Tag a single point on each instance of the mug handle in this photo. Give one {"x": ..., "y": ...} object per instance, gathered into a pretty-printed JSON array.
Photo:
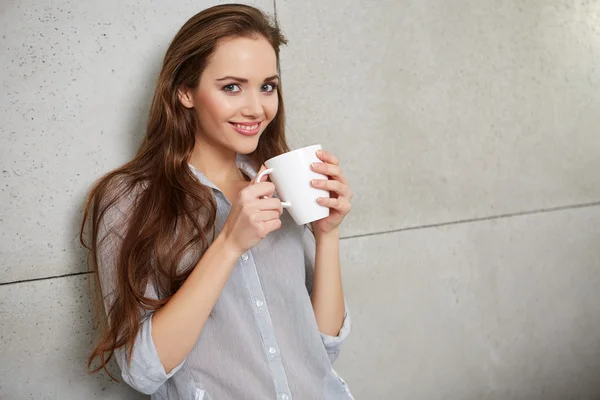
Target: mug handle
[{"x": 284, "y": 204}]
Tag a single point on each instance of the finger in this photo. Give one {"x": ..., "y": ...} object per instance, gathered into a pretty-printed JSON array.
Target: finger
[
  {"x": 260, "y": 189},
  {"x": 341, "y": 205},
  {"x": 330, "y": 170},
  {"x": 272, "y": 225},
  {"x": 332, "y": 186},
  {"x": 327, "y": 157},
  {"x": 270, "y": 204},
  {"x": 268, "y": 215}
]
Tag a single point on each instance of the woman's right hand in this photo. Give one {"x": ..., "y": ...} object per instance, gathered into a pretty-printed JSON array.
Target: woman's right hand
[{"x": 252, "y": 217}]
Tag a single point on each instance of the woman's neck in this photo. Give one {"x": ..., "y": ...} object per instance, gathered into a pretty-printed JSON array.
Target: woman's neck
[{"x": 217, "y": 163}]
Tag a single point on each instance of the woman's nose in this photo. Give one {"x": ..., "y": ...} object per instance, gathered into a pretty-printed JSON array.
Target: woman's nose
[{"x": 253, "y": 106}]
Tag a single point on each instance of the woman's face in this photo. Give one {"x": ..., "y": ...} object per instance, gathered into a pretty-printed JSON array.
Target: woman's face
[{"x": 237, "y": 95}]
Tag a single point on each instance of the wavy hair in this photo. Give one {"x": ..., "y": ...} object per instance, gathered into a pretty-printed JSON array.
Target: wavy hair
[{"x": 174, "y": 213}]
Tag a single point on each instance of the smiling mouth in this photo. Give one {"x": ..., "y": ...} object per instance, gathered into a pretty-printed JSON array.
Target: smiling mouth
[{"x": 246, "y": 127}]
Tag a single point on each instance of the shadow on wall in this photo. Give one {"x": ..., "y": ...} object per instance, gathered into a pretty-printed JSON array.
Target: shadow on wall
[
  {"x": 136, "y": 129},
  {"x": 131, "y": 137}
]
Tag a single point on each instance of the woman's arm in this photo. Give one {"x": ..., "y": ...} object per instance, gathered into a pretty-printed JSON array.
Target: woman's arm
[
  {"x": 327, "y": 295},
  {"x": 165, "y": 339},
  {"x": 177, "y": 325}
]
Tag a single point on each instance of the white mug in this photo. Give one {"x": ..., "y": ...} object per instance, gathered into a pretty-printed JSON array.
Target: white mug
[{"x": 292, "y": 175}]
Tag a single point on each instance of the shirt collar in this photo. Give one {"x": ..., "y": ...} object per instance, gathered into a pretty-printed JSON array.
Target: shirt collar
[{"x": 243, "y": 163}]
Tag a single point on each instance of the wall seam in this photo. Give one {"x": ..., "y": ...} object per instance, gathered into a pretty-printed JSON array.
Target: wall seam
[
  {"x": 480, "y": 219},
  {"x": 381, "y": 233}
]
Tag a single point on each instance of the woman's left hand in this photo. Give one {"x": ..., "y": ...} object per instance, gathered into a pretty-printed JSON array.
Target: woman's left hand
[{"x": 340, "y": 193}]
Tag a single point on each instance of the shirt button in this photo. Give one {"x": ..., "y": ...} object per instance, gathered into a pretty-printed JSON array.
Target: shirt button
[
  {"x": 245, "y": 257},
  {"x": 272, "y": 350},
  {"x": 259, "y": 303}
]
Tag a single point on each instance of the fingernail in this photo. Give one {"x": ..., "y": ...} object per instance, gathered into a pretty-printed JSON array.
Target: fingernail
[
  {"x": 315, "y": 165},
  {"x": 314, "y": 182}
]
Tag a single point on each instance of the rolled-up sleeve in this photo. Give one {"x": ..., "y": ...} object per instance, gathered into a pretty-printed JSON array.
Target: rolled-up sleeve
[
  {"x": 145, "y": 372},
  {"x": 332, "y": 343}
]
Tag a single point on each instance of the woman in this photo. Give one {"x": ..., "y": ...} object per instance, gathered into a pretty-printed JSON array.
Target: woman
[{"x": 210, "y": 290}]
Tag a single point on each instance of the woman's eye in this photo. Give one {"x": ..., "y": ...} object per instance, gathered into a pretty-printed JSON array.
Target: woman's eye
[
  {"x": 232, "y": 88},
  {"x": 269, "y": 87}
]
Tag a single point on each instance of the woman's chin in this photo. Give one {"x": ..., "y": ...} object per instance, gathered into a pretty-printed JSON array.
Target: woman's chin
[{"x": 247, "y": 145}]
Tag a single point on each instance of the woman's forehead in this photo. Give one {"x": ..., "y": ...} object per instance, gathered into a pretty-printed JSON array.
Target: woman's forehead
[{"x": 249, "y": 58}]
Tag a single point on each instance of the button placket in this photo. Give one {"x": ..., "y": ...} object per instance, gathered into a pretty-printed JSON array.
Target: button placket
[{"x": 264, "y": 324}]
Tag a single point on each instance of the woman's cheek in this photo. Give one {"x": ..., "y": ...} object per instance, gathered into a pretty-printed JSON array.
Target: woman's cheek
[{"x": 272, "y": 107}]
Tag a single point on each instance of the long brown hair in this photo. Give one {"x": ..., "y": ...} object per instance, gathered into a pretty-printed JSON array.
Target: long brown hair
[{"x": 174, "y": 213}]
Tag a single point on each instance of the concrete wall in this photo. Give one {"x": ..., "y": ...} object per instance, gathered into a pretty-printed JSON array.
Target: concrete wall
[{"x": 470, "y": 131}]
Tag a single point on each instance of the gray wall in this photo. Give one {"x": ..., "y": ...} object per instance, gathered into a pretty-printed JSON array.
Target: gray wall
[{"x": 470, "y": 131}]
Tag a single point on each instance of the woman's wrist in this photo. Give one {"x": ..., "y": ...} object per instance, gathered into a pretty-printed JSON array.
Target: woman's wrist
[
  {"x": 226, "y": 248},
  {"x": 320, "y": 236}
]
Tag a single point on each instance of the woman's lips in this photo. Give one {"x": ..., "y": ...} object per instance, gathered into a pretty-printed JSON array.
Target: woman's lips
[{"x": 246, "y": 128}]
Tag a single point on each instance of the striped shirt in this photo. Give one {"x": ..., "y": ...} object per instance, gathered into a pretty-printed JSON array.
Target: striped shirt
[{"x": 261, "y": 341}]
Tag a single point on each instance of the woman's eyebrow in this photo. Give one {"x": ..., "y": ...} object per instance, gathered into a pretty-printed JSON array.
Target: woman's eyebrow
[{"x": 244, "y": 80}]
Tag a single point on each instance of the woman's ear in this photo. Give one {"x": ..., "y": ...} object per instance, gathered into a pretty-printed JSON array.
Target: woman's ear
[{"x": 185, "y": 97}]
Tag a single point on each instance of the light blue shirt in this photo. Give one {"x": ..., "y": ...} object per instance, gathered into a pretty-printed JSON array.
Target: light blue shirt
[{"x": 261, "y": 340}]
